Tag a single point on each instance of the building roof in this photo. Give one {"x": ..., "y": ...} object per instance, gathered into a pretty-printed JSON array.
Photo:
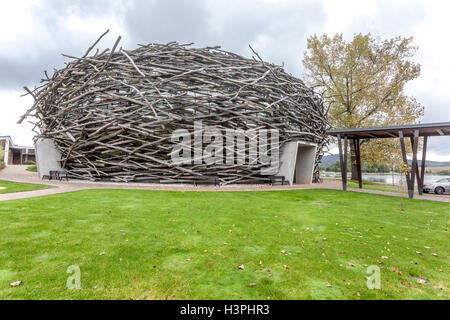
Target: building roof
[
  {"x": 425, "y": 129},
  {"x": 13, "y": 145}
]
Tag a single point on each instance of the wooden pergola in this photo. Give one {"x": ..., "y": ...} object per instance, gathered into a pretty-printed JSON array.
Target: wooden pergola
[{"x": 413, "y": 132}]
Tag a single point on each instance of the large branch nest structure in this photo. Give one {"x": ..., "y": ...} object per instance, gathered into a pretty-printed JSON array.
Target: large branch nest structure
[{"x": 111, "y": 114}]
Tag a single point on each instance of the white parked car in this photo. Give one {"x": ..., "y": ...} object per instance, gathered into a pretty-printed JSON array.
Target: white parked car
[{"x": 439, "y": 187}]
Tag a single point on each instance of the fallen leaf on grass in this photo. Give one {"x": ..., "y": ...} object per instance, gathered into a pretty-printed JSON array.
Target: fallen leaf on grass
[
  {"x": 135, "y": 278},
  {"x": 422, "y": 280},
  {"x": 329, "y": 285},
  {"x": 241, "y": 267},
  {"x": 172, "y": 296},
  {"x": 101, "y": 253},
  {"x": 15, "y": 284},
  {"x": 358, "y": 294},
  {"x": 252, "y": 284},
  {"x": 397, "y": 271}
]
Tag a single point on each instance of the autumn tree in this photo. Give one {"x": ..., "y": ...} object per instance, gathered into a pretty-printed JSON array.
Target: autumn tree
[{"x": 363, "y": 84}]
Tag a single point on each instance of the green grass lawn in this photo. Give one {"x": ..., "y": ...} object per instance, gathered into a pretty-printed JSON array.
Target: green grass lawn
[
  {"x": 381, "y": 187},
  {"x": 11, "y": 186},
  {"x": 368, "y": 185},
  {"x": 298, "y": 244},
  {"x": 374, "y": 186}
]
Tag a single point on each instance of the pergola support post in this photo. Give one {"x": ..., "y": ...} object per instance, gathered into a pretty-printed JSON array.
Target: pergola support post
[
  {"x": 408, "y": 173},
  {"x": 357, "y": 149},
  {"x": 414, "y": 166},
  {"x": 343, "y": 160},
  {"x": 421, "y": 176}
]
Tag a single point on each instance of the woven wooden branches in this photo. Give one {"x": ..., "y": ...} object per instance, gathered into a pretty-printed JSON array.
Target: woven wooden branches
[{"x": 111, "y": 114}]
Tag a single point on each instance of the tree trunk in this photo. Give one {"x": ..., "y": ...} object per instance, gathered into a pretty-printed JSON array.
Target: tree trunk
[{"x": 353, "y": 162}]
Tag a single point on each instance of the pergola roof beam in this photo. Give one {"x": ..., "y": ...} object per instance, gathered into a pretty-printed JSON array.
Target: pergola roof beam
[{"x": 425, "y": 129}]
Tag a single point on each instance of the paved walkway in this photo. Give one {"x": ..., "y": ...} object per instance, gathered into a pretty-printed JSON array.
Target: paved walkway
[{"x": 20, "y": 174}]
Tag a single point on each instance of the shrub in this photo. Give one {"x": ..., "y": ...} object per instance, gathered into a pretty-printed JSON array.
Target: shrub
[{"x": 32, "y": 168}]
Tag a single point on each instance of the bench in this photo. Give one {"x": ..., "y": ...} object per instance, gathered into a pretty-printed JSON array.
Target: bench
[
  {"x": 278, "y": 179},
  {"x": 62, "y": 175},
  {"x": 206, "y": 179},
  {"x": 56, "y": 175}
]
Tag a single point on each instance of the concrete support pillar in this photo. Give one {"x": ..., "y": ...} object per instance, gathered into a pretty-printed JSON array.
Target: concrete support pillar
[
  {"x": 48, "y": 158},
  {"x": 6, "y": 158},
  {"x": 297, "y": 162}
]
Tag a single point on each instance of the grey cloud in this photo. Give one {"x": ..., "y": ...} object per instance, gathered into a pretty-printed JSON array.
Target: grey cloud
[
  {"x": 165, "y": 21},
  {"x": 33, "y": 55},
  {"x": 395, "y": 20},
  {"x": 285, "y": 25},
  {"x": 436, "y": 110}
]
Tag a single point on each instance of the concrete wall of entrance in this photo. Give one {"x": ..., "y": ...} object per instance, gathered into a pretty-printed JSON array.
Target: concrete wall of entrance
[
  {"x": 48, "y": 158},
  {"x": 297, "y": 162}
]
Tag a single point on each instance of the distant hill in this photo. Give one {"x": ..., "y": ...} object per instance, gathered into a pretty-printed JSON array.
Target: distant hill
[{"x": 331, "y": 159}]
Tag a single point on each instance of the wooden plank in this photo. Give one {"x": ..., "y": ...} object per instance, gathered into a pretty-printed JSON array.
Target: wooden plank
[{"x": 391, "y": 135}]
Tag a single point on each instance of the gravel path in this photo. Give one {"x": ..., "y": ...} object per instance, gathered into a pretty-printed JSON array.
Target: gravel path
[{"x": 20, "y": 174}]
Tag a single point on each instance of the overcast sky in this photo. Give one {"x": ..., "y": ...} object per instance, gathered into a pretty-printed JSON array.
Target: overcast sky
[{"x": 35, "y": 33}]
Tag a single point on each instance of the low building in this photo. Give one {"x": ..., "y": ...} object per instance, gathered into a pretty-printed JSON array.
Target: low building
[{"x": 15, "y": 154}]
